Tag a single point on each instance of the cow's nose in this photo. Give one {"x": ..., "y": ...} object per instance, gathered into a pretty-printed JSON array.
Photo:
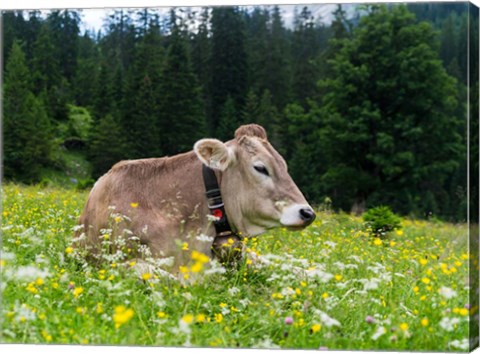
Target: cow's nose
[{"x": 307, "y": 215}]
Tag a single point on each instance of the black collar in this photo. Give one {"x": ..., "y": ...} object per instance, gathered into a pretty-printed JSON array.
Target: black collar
[
  {"x": 224, "y": 236},
  {"x": 215, "y": 203}
]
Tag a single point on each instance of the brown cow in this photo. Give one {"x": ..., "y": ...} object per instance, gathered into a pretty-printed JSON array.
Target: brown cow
[{"x": 162, "y": 200}]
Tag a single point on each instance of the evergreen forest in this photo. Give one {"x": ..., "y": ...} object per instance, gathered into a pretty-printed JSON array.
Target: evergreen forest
[{"x": 368, "y": 108}]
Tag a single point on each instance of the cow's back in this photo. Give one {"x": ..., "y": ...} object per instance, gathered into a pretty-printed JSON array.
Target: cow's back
[{"x": 146, "y": 196}]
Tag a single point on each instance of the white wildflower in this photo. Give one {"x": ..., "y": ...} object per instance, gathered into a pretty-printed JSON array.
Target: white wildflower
[
  {"x": 379, "y": 332},
  {"x": 28, "y": 273},
  {"x": 356, "y": 259},
  {"x": 342, "y": 285},
  {"x": 204, "y": 238},
  {"x": 24, "y": 314},
  {"x": 463, "y": 344},
  {"x": 447, "y": 293},
  {"x": 183, "y": 327},
  {"x": 216, "y": 268},
  {"x": 331, "y": 244},
  {"x": 326, "y": 319},
  {"x": 370, "y": 284},
  {"x": 448, "y": 324},
  {"x": 287, "y": 291},
  {"x": 77, "y": 227},
  {"x": 233, "y": 291},
  {"x": 7, "y": 256},
  {"x": 266, "y": 343},
  {"x": 324, "y": 277}
]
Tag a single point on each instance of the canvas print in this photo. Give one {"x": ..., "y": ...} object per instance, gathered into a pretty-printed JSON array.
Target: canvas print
[{"x": 291, "y": 176}]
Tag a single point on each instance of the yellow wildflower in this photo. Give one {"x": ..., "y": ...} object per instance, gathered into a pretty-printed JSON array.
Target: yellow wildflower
[
  {"x": 39, "y": 281},
  {"x": 316, "y": 327},
  {"x": 200, "y": 257},
  {"x": 403, "y": 326},
  {"x": 146, "y": 276},
  {"x": 161, "y": 314},
  {"x": 218, "y": 317},
  {"x": 77, "y": 291},
  {"x": 68, "y": 250},
  {"x": 424, "y": 322},
  {"x": 188, "y": 318},
  {"x": 134, "y": 205},
  {"x": 399, "y": 232},
  {"x": 121, "y": 315},
  {"x": 426, "y": 280},
  {"x": 99, "y": 308},
  {"x": 200, "y": 317},
  {"x": 377, "y": 242},
  {"x": 197, "y": 267}
]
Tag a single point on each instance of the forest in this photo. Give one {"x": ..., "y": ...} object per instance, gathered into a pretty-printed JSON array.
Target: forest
[{"x": 368, "y": 110}]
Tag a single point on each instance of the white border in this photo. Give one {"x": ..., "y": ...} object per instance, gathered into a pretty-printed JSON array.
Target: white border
[
  {"x": 51, "y": 4},
  {"x": 99, "y": 4}
]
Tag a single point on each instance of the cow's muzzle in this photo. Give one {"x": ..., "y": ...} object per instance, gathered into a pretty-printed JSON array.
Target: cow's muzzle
[
  {"x": 307, "y": 215},
  {"x": 297, "y": 216}
]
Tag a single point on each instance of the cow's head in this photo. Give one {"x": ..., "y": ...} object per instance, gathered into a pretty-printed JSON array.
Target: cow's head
[{"x": 257, "y": 190}]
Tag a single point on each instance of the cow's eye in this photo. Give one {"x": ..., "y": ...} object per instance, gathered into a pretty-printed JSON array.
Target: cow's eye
[{"x": 262, "y": 169}]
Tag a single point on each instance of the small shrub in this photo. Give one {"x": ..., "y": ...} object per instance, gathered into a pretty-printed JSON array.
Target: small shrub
[
  {"x": 85, "y": 183},
  {"x": 381, "y": 220}
]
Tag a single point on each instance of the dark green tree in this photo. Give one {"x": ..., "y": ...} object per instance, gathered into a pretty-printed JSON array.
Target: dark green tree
[
  {"x": 64, "y": 26},
  {"x": 278, "y": 61},
  {"x": 107, "y": 144},
  {"x": 181, "y": 112},
  {"x": 389, "y": 132},
  {"x": 47, "y": 78},
  {"x": 28, "y": 139},
  {"x": 250, "y": 111},
  {"x": 141, "y": 107},
  {"x": 87, "y": 71},
  {"x": 228, "y": 61},
  {"x": 305, "y": 49},
  {"x": 228, "y": 120}
]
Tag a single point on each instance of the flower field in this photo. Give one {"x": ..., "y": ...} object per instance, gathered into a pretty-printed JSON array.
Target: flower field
[{"x": 331, "y": 286}]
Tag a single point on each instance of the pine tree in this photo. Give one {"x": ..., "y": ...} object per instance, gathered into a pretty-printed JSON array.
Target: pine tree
[
  {"x": 47, "y": 78},
  {"x": 87, "y": 71},
  {"x": 389, "y": 130},
  {"x": 228, "y": 120},
  {"x": 256, "y": 48},
  {"x": 181, "y": 111},
  {"x": 27, "y": 132},
  {"x": 305, "y": 50},
  {"x": 228, "y": 61},
  {"x": 268, "y": 117},
  {"x": 278, "y": 62},
  {"x": 250, "y": 111},
  {"x": 201, "y": 52},
  {"x": 64, "y": 25},
  {"x": 107, "y": 144}
]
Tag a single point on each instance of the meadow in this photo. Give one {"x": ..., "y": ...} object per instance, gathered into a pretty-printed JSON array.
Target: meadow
[{"x": 331, "y": 286}]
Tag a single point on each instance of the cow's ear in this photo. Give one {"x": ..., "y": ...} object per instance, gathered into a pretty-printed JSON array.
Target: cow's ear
[{"x": 214, "y": 153}]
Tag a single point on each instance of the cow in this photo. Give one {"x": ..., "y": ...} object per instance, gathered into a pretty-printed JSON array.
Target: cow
[{"x": 163, "y": 202}]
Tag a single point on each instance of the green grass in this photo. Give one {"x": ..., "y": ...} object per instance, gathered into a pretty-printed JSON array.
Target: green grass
[
  {"x": 74, "y": 169},
  {"x": 339, "y": 285}
]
